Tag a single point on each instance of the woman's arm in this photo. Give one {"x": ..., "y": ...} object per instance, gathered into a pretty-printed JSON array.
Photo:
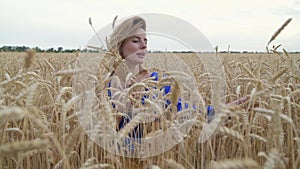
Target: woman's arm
[{"x": 238, "y": 101}]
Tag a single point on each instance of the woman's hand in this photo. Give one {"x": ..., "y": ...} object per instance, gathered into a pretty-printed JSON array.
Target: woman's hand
[{"x": 238, "y": 101}]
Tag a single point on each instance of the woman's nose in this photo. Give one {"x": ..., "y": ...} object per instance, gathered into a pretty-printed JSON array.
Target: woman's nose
[{"x": 143, "y": 45}]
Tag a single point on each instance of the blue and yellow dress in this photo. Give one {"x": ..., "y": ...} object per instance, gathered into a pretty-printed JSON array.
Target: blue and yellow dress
[{"x": 137, "y": 133}]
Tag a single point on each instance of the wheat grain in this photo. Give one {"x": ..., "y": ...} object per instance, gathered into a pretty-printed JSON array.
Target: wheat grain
[
  {"x": 72, "y": 139},
  {"x": 279, "y": 30},
  {"x": 232, "y": 133},
  {"x": 48, "y": 110},
  {"x": 11, "y": 149},
  {"x": 236, "y": 164},
  {"x": 279, "y": 74},
  {"x": 29, "y": 59},
  {"x": 11, "y": 113},
  {"x": 173, "y": 164}
]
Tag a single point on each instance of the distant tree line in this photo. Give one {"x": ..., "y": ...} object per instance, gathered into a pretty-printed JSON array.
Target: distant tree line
[
  {"x": 62, "y": 50},
  {"x": 24, "y": 48}
]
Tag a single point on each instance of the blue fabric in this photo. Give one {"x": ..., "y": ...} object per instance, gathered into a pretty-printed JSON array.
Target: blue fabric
[
  {"x": 179, "y": 105},
  {"x": 138, "y": 132},
  {"x": 166, "y": 89},
  {"x": 210, "y": 113},
  {"x": 109, "y": 94},
  {"x": 155, "y": 75}
]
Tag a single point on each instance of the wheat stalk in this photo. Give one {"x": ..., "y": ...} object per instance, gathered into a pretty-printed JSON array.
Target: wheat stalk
[
  {"x": 232, "y": 133},
  {"x": 11, "y": 113},
  {"x": 279, "y": 30},
  {"x": 173, "y": 164},
  {"x": 29, "y": 59},
  {"x": 11, "y": 149},
  {"x": 72, "y": 139},
  {"x": 279, "y": 74},
  {"x": 235, "y": 164}
]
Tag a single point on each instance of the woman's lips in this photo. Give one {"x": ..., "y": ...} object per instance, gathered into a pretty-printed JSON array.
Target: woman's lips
[{"x": 141, "y": 54}]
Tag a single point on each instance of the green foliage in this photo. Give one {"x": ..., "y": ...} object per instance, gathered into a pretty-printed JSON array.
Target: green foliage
[{"x": 24, "y": 48}]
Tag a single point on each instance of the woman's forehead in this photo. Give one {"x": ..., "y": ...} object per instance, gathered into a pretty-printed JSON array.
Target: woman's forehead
[{"x": 139, "y": 33}]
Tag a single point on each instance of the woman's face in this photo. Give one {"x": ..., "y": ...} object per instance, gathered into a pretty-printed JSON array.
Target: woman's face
[{"x": 134, "y": 48}]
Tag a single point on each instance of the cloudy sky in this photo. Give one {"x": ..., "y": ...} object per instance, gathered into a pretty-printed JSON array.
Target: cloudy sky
[{"x": 244, "y": 25}]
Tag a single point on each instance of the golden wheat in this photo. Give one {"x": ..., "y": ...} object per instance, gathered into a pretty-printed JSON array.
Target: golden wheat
[{"x": 40, "y": 127}]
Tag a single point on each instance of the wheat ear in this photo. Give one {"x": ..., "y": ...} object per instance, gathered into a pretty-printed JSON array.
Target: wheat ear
[
  {"x": 11, "y": 149},
  {"x": 235, "y": 164},
  {"x": 279, "y": 30}
]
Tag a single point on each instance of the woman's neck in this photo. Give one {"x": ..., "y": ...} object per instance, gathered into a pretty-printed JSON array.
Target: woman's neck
[{"x": 133, "y": 68}]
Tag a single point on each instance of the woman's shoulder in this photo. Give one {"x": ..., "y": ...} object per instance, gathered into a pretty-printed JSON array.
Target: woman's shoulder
[{"x": 143, "y": 75}]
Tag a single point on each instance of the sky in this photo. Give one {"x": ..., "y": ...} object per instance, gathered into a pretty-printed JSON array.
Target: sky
[{"x": 239, "y": 24}]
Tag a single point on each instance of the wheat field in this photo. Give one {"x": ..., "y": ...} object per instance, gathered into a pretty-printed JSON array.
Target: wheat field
[{"x": 40, "y": 129}]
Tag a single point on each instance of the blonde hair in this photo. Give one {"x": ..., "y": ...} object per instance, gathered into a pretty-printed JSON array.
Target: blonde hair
[
  {"x": 121, "y": 33},
  {"x": 124, "y": 31}
]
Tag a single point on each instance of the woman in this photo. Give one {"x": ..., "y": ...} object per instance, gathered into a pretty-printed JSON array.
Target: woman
[{"x": 128, "y": 44}]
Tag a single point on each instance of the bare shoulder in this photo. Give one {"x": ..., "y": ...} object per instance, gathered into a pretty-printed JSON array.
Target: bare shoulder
[{"x": 142, "y": 75}]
